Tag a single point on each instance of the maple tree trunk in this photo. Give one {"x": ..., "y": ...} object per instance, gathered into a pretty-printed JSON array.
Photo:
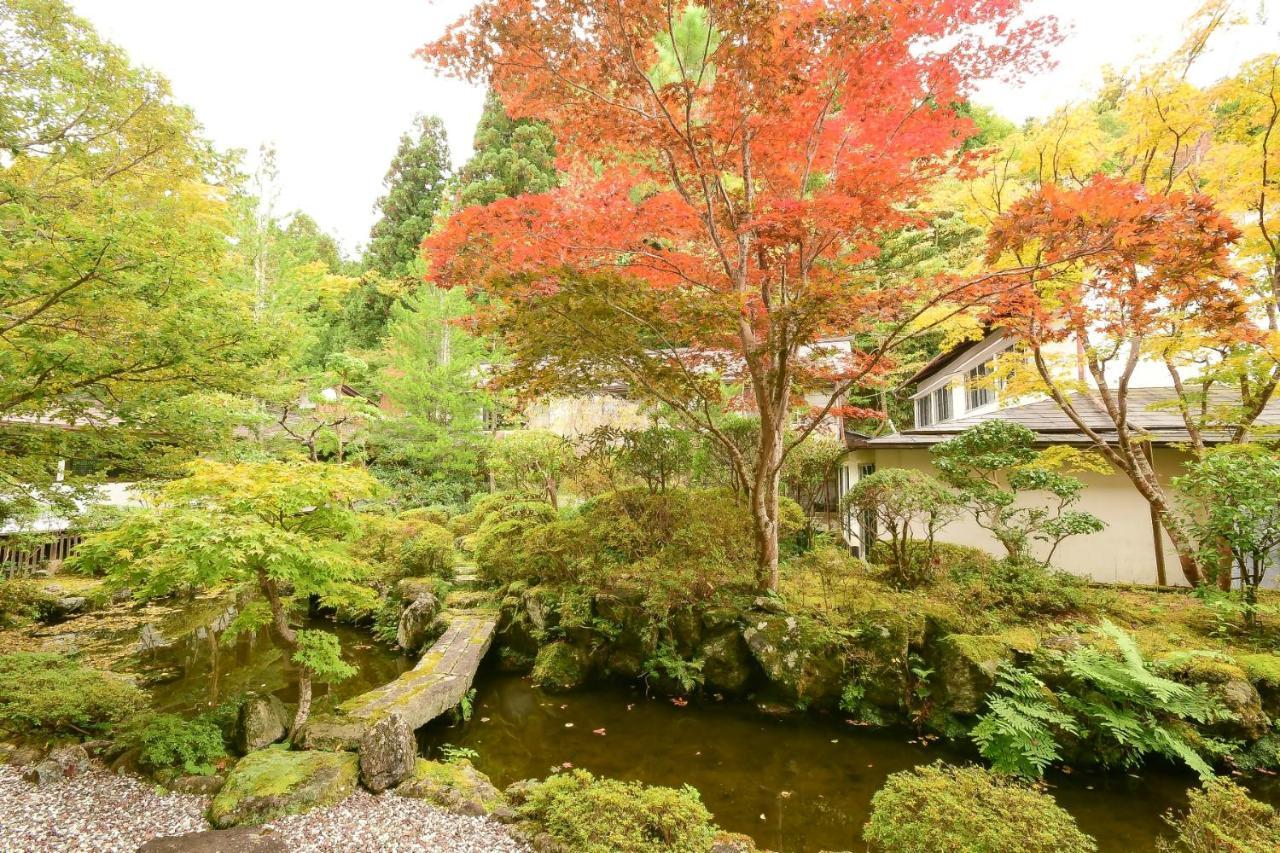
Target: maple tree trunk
[
  {"x": 280, "y": 621},
  {"x": 764, "y": 500}
]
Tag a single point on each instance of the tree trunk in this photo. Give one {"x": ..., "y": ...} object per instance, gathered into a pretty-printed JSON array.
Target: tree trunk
[
  {"x": 304, "y": 704},
  {"x": 764, "y": 503},
  {"x": 280, "y": 621}
]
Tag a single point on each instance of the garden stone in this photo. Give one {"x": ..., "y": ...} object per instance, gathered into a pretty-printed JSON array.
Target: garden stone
[
  {"x": 241, "y": 839},
  {"x": 686, "y": 630},
  {"x": 718, "y": 619},
  {"x": 261, "y": 722},
  {"x": 411, "y": 589},
  {"x": 64, "y": 762},
  {"x": 768, "y": 604},
  {"x": 417, "y": 623},
  {"x": 1242, "y": 700},
  {"x": 560, "y": 667},
  {"x": 539, "y": 606},
  {"x": 68, "y": 606},
  {"x": 966, "y": 666},
  {"x": 203, "y": 786},
  {"x": 22, "y": 756},
  {"x": 727, "y": 663},
  {"x": 272, "y": 783},
  {"x": 455, "y": 786},
  {"x": 806, "y": 669},
  {"x": 625, "y": 664},
  {"x": 387, "y": 753}
]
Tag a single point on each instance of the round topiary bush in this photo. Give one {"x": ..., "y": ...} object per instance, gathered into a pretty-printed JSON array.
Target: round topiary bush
[
  {"x": 942, "y": 808},
  {"x": 593, "y": 815},
  {"x": 429, "y": 552},
  {"x": 1221, "y": 817}
]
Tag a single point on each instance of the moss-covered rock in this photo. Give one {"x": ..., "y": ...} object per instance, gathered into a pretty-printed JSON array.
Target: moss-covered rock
[
  {"x": 636, "y": 631},
  {"x": 561, "y": 666},
  {"x": 803, "y": 663},
  {"x": 965, "y": 665},
  {"x": 727, "y": 663},
  {"x": 684, "y": 625},
  {"x": 272, "y": 783},
  {"x": 453, "y": 785},
  {"x": 1263, "y": 672}
]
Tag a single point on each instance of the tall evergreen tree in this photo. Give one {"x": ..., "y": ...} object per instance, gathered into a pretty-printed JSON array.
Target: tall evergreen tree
[
  {"x": 415, "y": 185},
  {"x": 511, "y": 158}
]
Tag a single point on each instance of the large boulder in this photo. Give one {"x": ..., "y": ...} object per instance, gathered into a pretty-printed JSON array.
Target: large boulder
[
  {"x": 540, "y": 608},
  {"x": 727, "y": 663},
  {"x": 64, "y": 762},
  {"x": 272, "y": 783},
  {"x": 1263, "y": 671},
  {"x": 387, "y": 753},
  {"x": 418, "y": 623},
  {"x": 261, "y": 722},
  {"x": 804, "y": 666},
  {"x": 965, "y": 666},
  {"x": 561, "y": 666},
  {"x": 685, "y": 626},
  {"x": 636, "y": 631},
  {"x": 455, "y": 786},
  {"x": 1249, "y": 722},
  {"x": 411, "y": 589}
]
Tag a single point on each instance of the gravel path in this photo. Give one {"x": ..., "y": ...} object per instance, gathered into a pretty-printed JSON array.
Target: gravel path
[
  {"x": 105, "y": 813},
  {"x": 98, "y": 811}
]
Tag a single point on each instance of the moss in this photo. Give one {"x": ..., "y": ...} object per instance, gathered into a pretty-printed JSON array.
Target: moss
[
  {"x": 455, "y": 785},
  {"x": 275, "y": 782},
  {"x": 561, "y": 666},
  {"x": 1199, "y": 668},
  {"x": 968, "y": 808},
  {"x": 966, "y": 665},
  {"x": 1262, "y": 669},
  {"x": 590, "y": 815}
]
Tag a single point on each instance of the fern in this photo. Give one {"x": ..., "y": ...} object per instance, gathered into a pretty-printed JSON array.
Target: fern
[
  {"x": 1017, "y": 733},
  {"x": 1119, "y": 704}
]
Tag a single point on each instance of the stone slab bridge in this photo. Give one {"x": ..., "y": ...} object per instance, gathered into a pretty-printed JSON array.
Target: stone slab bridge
[{"x": 380, "y": 724}]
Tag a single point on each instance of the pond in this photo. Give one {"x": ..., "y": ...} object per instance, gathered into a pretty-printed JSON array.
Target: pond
[{"x": 795, "y": 785}]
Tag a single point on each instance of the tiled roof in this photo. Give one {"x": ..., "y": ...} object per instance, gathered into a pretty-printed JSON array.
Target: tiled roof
[{"x": 1150, "y": 410}]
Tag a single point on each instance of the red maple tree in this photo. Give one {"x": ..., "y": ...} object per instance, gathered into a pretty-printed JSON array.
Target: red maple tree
[
  {"x": 1127, "y": 276},
  {"x": 732, "y": 169}
]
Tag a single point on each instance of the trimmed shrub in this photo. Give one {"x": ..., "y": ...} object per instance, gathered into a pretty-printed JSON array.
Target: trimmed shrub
[
  {"x": 1223, "y": 818},
  {"x": 50, "y": 694},
  {"x": 593, "y": 815},
  {"x": 497, "y": 544},
  {"x": 1025, "y": 590},
  {"x": 938, "y": 808},
  {"x": 437, "y": 514},
  {"x": 429, "y": 552},
  {"x": 22, "y": 602},
  {"x": 168, "y": 742}
]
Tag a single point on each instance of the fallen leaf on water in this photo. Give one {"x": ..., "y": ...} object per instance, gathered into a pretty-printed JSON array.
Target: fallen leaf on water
[
  {"x": 762, "y": 817},
  {"x": 629, "y": 707},
  {"x": 568, "y": 725},
  {"x": 679, "y": 701},
  {"x": 597, "y": 732},
  {"x": 568, "y": 765},
  {"x": 484, "y": 719}
]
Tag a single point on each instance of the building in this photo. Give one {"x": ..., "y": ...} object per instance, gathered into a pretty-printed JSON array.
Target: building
[{"x": 952, "y": 396}]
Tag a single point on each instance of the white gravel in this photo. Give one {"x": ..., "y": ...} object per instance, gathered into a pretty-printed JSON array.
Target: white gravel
[
  {"x": 105, "y": 813},
  {"x": 96, "y": 811},
  {"x": 394, "y": 824}
]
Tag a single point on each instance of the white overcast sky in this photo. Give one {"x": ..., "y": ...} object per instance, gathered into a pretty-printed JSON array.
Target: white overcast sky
[{"x": 333, "y": 83}]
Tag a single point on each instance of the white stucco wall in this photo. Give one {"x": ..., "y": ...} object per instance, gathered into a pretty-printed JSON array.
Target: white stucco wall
[
  {"x": 572, "y": 417},
  {"x": 1122, "y": 553}
]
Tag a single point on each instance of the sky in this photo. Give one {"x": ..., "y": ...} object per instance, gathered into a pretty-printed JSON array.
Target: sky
[{"x": 333, "y": 84}]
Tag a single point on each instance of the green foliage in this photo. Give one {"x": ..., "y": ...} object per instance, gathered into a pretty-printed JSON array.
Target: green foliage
[
  {"x": 1222, "y": 818},
  {"x": 608, "y": 816},
  {"x": 49, "y": 694},
  {"x": 116, "y": 226},
  {"x": 320, "y": 653},
  {"x": 961, "y": 809},
  {"x": 1114, "y": 706},
  {"x": 667, "y": 664},
  {"x": 1019, "y": 731},
  {"x": 429, "y": 552},
  {"x": 512, "y": 157},
  {"x": 1233, "y": 500},
  {"x": 659, "y": 456},
  {"x": 22, "y": 602},
  {"x": 430, "y": 446},
  {"x": 533, "y": 462},
  {"x": 1027, "y": 591},
  {"x": 168, "y": 742},
  {"x": 415, "y": 185},
  {"x": 497, "y": 543},
  {"x": 910, "y": 506},
  {"x": 994, "y": 467},
  {"x": 1128, "y": 710}
]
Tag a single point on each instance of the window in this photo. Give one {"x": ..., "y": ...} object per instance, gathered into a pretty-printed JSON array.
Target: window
[
  {"x": 942, "y": 404},
  {"x": 977, "y": 388},
  {"x": 867, "y": 518},
  {"x": 924, "y": 411}
]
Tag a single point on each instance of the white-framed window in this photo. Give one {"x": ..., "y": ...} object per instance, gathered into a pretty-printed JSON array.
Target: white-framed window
[
  {"x": 977, "y": 389},
  {"x": 924, "y": 411},
  {"x": 942, "y": 404}
]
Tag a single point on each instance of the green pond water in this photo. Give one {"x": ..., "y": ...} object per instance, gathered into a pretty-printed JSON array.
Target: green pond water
[{"x": 801, "y": 784}]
